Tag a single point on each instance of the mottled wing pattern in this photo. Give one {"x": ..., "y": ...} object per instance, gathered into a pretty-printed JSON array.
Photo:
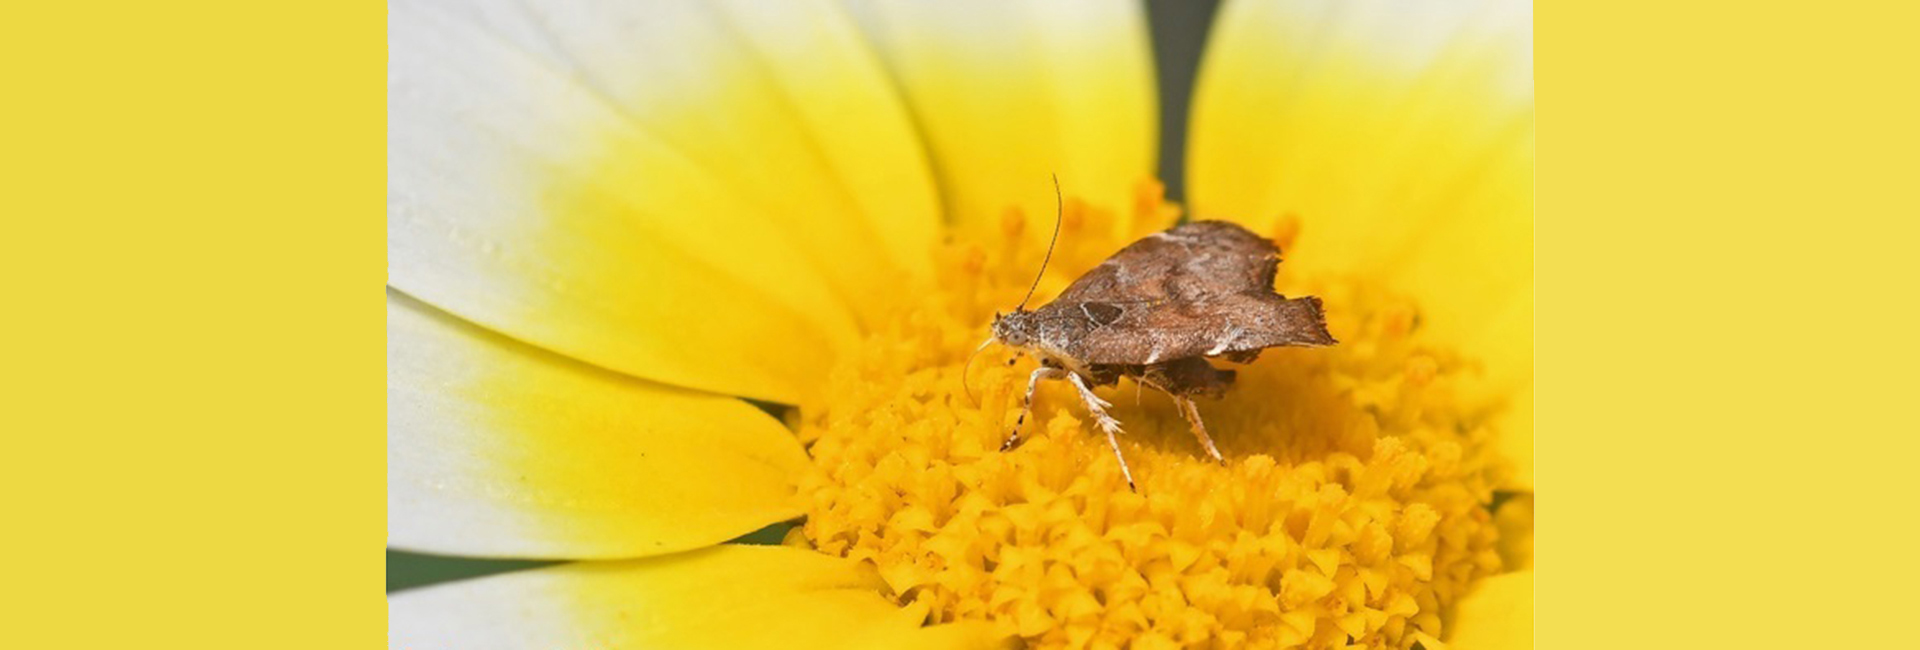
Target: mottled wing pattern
[
  {"x": 1216, "y": 325},
  {"x": 1202, "y": 289},
  {"x": 1191, "y": 260}
]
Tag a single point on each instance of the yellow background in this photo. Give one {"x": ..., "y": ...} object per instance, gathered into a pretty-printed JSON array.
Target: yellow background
[
  {"x": 1726, "y": 386},
  {"x": 191, "y": 202},
  {"x": 191, "y": 336}
]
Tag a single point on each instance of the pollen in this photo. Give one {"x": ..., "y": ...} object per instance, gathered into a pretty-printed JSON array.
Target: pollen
[{"x": 1355, "y": 507}]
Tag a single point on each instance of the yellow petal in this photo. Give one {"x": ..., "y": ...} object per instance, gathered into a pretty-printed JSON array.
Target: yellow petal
[
  {"x": 725, "y": 597},
  {"x": 1515, "y": 520},
  {"x": 1503, "y": 340},
  {"x": 668, "y": 191},
  {"x": 498, "y": 448},
  {"x": 1515, "y": 427},
  {"x": 1401, "y": 137},
  {"x": 834, "y": 86},
  {"x": 1006, "y": 93},
  {"x": 1496, "y": 615}
]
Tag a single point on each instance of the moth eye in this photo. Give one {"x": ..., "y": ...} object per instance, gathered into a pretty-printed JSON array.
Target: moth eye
[{"x": 1013, "y": 361}]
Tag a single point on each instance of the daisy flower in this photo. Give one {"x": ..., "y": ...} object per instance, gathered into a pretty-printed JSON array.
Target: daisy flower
[{"x": 622, "y": 234}]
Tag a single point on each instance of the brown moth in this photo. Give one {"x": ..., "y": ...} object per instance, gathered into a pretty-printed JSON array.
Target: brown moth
[{"x": 1155, "y": 311}]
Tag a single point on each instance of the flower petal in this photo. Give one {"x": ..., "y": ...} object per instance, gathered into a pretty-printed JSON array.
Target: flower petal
[
  {"x": 1515, "y": 520},
  {"x": 1008, "y": 92},
  {"x": 860, "y": 126},
  {"x": 664, "y": 189},
  {"x": 1496, "y": 615},
  {"x": 725, "y": 597},
  {"x": 498, "y": 448},
  {"x": 1401, "y": 136}
]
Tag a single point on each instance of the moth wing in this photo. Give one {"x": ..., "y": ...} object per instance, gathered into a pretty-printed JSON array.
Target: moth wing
[
  {"x": 1214, "y": 326},
  {"x": 1195, "y": 260}
]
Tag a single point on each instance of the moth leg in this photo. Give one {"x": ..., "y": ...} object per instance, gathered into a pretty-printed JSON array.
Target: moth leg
[
  {"x": 1026, "y": 405},
  {"x": 1098, "y": 407},
  {"x": 1191, "y": 412}
]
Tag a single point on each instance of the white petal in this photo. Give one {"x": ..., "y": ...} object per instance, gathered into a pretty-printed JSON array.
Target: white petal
[
  {"x": 498, "y": 448},
  {"x": 726, "y": 597},
  {"x": 664, "y": 189}
]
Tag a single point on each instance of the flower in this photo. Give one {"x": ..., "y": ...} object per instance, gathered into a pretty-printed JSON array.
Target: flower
[{"x": 607, "y": 224}]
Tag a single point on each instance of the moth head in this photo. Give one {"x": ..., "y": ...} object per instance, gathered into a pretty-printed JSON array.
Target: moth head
[
  {"x": 1013, "y": 330},
  {"x": 1016, "y": 329},
  {"x": 1019, "y": 330}
]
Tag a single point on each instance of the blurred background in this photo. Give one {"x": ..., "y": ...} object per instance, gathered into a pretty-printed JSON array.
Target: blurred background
[{"x": 1179, "y": 29}]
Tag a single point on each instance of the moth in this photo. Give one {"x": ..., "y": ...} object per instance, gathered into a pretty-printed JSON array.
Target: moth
[{"x": 1156, "y": 312}]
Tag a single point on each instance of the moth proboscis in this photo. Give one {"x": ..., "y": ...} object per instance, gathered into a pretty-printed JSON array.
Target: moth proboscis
[{"x": 1155, "y": 312}]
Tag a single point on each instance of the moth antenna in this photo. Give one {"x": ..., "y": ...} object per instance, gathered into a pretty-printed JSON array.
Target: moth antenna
[
  {"x": 966, "y": 377},
  {"x": 1059, "y": 210}
]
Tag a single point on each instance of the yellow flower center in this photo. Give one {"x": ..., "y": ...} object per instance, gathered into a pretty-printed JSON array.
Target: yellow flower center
[{"x": 1354, "y": 506}]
